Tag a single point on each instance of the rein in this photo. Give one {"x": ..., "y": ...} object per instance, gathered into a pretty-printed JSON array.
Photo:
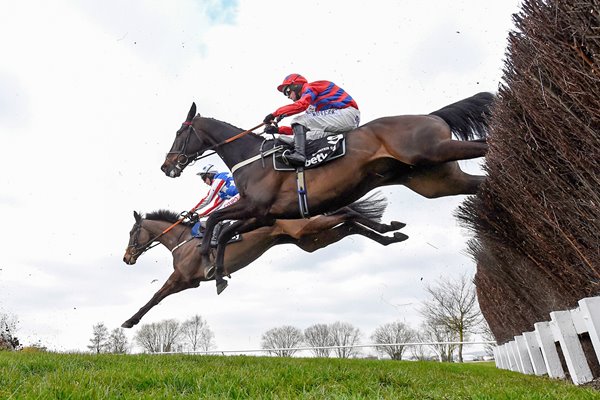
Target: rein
[
  {"x": 150, "y": 243},
  {"x": 198, "y": 155}
]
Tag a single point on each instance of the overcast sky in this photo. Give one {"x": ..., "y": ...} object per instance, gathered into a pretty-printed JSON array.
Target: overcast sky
[{"x": 91, "y": 94}]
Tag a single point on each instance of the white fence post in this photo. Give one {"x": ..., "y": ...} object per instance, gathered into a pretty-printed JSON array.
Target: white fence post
[
  {"x": 502, "y": 357},
  {"x": 590, "y": 310},
  {"x": 514, "y": 351},
  {"x": 547, "y": 346},
  {"x": 523, "y": 354},
  {"x": 566, "y": 334},
  {"x": 498, "y": 357},
  {"x": 535, "y": 353}
]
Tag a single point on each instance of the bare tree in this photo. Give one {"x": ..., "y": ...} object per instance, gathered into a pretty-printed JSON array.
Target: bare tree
[
  {"x": 117, "y": 342},
  {"x": 148, "y": 337},
  {"x": 319, "y": 335},
  {"x": 159, "y": 336},
  {"x": 393, "y": 332},
  {"x": 8, "y": 329},
  {"x": 99, "y": 338},
  {"x": 197, "y": 334},
  {"x": 432, "y": 332},
  {"x": 420, "y": 352},
  {"x": 487, "y": 334},
  {"x": 453, "y": 304},
  {"x": 344, "y": 334},
  {"x": 280, "y": 341}
]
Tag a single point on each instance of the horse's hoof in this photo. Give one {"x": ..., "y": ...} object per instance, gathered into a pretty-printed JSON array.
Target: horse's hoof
[
  {"x": 400, "y": 237},
  {"x": 397, "y": 225},
  {"x": 127, "y": 324},
  {"x": 221, "y": 286},
  {"x": 209, "y": 272}
]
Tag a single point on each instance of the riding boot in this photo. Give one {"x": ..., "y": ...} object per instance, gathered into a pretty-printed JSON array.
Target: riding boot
[{"x": 298, "y": 157}]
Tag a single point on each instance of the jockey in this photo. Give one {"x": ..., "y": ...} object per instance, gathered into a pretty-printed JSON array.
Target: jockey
[
  {"x": 328, "y": 108},
  {"x": 222, "y": 193}
]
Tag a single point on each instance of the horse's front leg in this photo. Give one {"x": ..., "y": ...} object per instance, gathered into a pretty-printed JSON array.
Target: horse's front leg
[
  {"x": 211, "y": 222},
  {"x": 175, "y": 283},
  {"x": 236, "y": 211},
  {"x": 225, "y": 236}
]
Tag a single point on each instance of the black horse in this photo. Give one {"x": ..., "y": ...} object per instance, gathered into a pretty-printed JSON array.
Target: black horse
[{"x": 416, "y": 151}]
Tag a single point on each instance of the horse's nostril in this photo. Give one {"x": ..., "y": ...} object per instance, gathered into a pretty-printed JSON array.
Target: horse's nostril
[{"x": 163, "y": 168}]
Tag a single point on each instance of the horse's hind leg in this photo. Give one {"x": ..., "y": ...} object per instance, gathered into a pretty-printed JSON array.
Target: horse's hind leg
[
  {"x": 174, "y": 284},
  {"x": 323, "y": 239},
  {"x": 444, "y": 180},
  {"x": 453, "y": 150},
  {"x": 378, "y": 226}
]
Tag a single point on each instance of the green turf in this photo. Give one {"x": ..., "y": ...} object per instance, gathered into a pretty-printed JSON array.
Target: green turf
[{"x": 86, "y": 376}]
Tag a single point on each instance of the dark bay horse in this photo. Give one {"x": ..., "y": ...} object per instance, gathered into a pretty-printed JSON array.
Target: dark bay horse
[
  {"x": 360, "y": 218},
  {"x": 416, "y": 151}
]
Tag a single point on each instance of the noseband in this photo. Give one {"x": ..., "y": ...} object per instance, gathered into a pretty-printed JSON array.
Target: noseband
[{"x": 137, "y": 249}]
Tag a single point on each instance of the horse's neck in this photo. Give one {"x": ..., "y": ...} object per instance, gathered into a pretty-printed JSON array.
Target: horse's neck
[
  {"x": 235, "y": 151},
  {"x": 169, "y": 239}
]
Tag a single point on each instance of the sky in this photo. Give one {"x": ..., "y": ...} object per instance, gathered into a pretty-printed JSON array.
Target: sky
[{"x": 91, "y": 94}]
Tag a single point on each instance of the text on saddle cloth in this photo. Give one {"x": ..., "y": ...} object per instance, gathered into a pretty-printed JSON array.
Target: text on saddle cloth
[{"x": 318, "y": 151}]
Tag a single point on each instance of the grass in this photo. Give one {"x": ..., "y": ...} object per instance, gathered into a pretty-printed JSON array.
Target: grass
[{"x": 86, "y": 376}]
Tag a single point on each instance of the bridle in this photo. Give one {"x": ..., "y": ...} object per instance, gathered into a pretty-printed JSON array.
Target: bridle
[
  {"x": 138, "y": 249},
  {"x": 183, "y": 159}
]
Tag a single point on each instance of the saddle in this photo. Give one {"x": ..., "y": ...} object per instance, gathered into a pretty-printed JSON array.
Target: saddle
[
  {"x": 198, "y": 232},
  {"x": 318, "y": 151},
  {"x": 217, "y": 231}
]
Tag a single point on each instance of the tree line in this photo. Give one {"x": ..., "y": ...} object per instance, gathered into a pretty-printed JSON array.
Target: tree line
[
  {"x": 450, "y": 314},
  {"x": 168, "y": 335}
]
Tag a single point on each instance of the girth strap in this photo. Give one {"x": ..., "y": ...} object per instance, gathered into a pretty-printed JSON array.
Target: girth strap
[{"x": 302, "y": 195}]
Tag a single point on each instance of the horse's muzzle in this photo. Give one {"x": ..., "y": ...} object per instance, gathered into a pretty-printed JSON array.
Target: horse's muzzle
[
  {"x": 171, "y": 172},
  {"x": 129, "y": 258}
]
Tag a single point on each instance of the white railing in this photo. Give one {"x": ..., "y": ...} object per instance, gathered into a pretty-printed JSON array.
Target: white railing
[
  {"x": 373, "y": 345},
  {"x": 535, "y": 352}
]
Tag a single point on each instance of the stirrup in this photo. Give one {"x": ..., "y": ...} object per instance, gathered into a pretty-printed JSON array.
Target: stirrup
[
  {"x": 209, "y": 272},
  {"x": 221, "y": 284}
]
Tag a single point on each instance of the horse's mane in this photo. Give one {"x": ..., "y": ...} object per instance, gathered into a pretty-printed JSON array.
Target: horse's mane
[
  {"x": 229, "y": 125},
  {"x": 166, "y": 215}
]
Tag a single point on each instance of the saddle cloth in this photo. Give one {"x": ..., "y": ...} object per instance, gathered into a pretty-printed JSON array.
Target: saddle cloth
[{"x": 318, "y": 151}]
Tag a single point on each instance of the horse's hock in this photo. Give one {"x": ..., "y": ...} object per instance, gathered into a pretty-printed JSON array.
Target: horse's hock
[{"x": 536, "y": 218}]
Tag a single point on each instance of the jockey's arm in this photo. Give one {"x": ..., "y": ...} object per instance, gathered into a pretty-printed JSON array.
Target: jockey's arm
[
  {"x": 216, "y": 203},
  {"x": 294, "y": 108},
  {"x": 213, "y": 192}
]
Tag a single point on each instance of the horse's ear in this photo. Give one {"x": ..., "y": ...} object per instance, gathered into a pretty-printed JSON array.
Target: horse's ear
[
  {"x": 191, "y": 113},
  {"x": 137, "y": 217}
]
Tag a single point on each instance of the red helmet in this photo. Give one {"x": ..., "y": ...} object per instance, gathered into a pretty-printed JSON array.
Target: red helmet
[{"x": 292, "y": 79}]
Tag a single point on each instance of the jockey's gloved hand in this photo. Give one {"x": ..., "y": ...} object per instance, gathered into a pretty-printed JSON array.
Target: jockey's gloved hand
[
  {"x": 271, "y": 129},
  {"x": 192, "y": 216},
  {"x": 268, "y": 119}
]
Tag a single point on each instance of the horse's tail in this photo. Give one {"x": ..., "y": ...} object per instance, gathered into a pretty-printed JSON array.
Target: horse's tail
[
  {"x": 468, "y": 118},
  {"x": 371, "y": 207}
]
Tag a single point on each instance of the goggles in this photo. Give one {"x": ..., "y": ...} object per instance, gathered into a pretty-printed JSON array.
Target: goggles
[{"x": 287, "y": 90}]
